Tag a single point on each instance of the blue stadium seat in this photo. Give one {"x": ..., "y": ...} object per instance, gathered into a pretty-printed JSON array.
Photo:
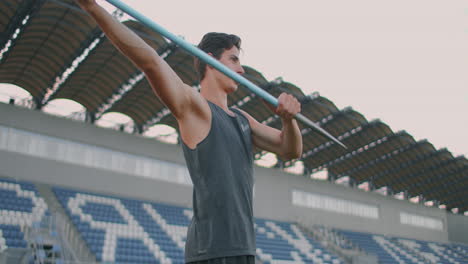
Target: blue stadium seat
[
  {"x": 284, "y": 242},
  {"x": 122, "y": 230},
  {"x": 398, "y": 250},
  {"x": 21, "y": 206},
  {"x": 118, "y": 230}
]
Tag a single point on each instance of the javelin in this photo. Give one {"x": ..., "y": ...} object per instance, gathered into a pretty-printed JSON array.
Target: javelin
[{"x": 216, "y": 64}]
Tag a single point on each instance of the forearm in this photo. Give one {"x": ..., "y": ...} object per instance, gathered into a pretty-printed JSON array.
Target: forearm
[
  {"x": 131, "y": 45},
  {"x": 291, "y": 140}
]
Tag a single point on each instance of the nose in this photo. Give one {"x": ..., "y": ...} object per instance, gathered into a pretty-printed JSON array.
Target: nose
[{"x": 240, "y": 70}]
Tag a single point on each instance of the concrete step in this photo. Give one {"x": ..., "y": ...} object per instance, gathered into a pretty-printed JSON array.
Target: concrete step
[
  {"x": 327, "y": 243},
  {"x": 72, "y": 240}
]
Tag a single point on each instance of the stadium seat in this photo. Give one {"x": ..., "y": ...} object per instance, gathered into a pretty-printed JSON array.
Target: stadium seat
[
  {"x": 122, "y": 230},
  {"x": 398, "y": 250},
  {"x": 283, "y": 242},
  {"x": 118, "y": 229},
  {"x": 21, "y": 206}
]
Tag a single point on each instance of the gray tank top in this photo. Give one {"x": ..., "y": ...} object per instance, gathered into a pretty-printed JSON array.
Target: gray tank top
[{"x": 222, "y": 175}]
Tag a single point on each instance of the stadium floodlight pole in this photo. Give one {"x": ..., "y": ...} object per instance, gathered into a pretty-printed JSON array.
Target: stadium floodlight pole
[{"x": 216, "y": 64}]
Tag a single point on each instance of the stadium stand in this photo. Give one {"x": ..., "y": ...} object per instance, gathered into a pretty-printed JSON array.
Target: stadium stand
[
  {"x": 54, "y": 51},
  {"x": 432, "y": 251},
  {"x": 22, "y": 217},
  {"x": 282, "y": 241},
  {"x": 119, "y": 229},
  {"x": 124, "y": 230},
  {"x": 21, "y": 207},
  {"x": 402, "y": 250}
]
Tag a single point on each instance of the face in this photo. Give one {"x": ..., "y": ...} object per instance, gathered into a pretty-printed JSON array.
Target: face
[{"x": 230, "y": 58}]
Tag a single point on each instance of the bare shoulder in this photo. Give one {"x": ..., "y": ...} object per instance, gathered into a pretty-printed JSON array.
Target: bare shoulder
[{"x": 252, "y": 120}]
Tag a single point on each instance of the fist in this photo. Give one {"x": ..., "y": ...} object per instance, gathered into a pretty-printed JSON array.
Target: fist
[{"x": 288, "y": 106}]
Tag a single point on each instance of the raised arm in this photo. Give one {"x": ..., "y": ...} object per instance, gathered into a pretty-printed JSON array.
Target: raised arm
[
  {"x": 178, "y": 96},
  {"x": 287, "y": 142}
]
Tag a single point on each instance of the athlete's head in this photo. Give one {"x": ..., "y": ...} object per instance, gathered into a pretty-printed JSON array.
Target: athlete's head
[{"x": 216, "y": 44}]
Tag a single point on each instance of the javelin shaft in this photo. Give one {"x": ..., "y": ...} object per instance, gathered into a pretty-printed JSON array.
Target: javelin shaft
[{"x": 215, "y": 63}]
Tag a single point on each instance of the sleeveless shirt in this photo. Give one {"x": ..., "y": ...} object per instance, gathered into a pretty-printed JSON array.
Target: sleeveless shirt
[{"x": 221, "y": 169}]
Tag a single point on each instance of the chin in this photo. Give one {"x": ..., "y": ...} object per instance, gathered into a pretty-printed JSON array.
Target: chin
[{"x": 232, "y": 88}]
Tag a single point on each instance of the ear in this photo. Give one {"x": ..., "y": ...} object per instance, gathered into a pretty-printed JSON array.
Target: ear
[{"x": 207, "y": 65}]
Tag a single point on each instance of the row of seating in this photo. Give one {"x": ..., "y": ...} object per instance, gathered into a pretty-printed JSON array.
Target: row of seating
[
  {"x": 391, "y": 249},
  {"x": 123, "y": 230},
  {"x": 116, "y": 228},
  {"x": 21, "y": 207}
]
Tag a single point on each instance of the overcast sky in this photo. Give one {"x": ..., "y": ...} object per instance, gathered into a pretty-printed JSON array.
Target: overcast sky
[{"x": 405, "y": 62}]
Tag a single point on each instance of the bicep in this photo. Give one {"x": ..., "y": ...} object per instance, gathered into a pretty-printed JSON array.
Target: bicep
[
  {"x": 264, "y": 137},
  {"x": 267, "y": 138}
]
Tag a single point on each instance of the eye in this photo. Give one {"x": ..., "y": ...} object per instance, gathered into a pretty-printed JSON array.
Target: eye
[{"x": 234, "y": 58}]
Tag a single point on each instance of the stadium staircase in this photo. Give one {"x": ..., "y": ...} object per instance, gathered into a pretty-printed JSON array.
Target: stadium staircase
[
  {"x": 283, "y": 242},
  {"x": 43, "y": 242},
  {"x": 339, "y": 245},
  {"x": 73, "y": 246}
]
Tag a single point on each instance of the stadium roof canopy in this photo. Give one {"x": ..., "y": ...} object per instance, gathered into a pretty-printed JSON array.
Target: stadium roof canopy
[{"x": 54, "y": 50}]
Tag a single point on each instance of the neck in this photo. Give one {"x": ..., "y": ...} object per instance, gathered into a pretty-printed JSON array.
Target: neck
[{"x": 212, "y": 92}]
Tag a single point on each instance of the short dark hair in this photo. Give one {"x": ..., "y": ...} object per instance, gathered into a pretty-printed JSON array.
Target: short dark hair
[{"x": 215, "y": 43}]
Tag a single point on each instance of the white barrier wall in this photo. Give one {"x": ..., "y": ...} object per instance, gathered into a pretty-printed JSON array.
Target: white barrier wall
[{"x": 38, "y": 147}]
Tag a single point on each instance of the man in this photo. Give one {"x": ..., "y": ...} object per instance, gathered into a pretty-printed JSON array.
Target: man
[{"x": 217, "y": 140}]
